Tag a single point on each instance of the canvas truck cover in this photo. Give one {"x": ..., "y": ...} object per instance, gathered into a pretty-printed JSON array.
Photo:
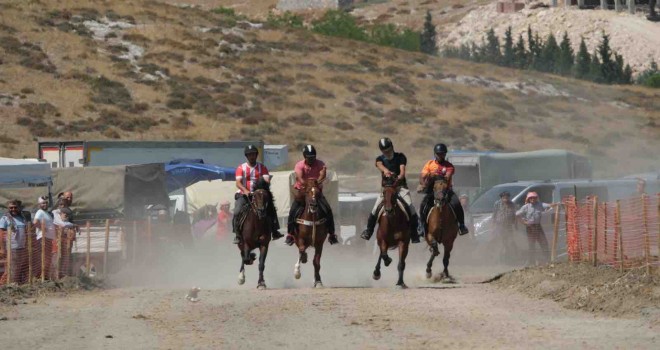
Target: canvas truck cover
[
  {"x": 213, "y": 192},
  {"x": 115, "y": 191},
  {"x": 497, "y": 168}
]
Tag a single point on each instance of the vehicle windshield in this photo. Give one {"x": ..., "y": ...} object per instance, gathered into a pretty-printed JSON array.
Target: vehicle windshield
[{"x": 485, "y": 202}]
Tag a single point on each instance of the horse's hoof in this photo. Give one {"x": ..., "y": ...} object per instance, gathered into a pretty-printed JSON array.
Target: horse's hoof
[
  {"x": 429, "y": 274},
  {"x": 241, "y": 279},
  {"x": 296, "y": 274},
  {"x": 318, "y": 285},
  {"x": 303, "y": 258},
  {"x": 261, "y": 286},
  {"x": 376, "y": 276},
  {"x": 402, "y": 286},
  {"x": 387, "y": 260}
]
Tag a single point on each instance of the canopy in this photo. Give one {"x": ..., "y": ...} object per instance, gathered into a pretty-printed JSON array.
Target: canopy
[
  {"x": 214, "y": 192},
  {"x": 23, "y": 179},
  {"x": 183, "y": 173}
]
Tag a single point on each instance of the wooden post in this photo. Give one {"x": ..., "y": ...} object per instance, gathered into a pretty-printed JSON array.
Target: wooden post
[
  {"x": 29, "y": 247},
  {"x": 105, "y": 248},
  {"x": 88, "y": 250},
  {"x": 149, "y": 249},
  {"x": 604, "y": 205},
  {"x": 134, "y": 249},
  {"x": 617, "y": 220},
  {"x": 647, "y": 244},
  {"x": 631, "y": 6},
  {"x": 617, "y": 5},
  {"x": 595, "y": 232},
  {"x": 43, "y": 250},
  {"x": 9, "y": 257},
  {"x": 58, "y": 261},
  {"x": 555, "y": 235},
  {"x": 580, "y": 3},
  {"x": 603, "y": 4}
]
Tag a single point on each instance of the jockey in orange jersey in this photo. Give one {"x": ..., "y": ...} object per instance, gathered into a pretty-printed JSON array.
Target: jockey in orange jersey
[
  {"x": 247, "y": 176},
  {"x": 440, "y": 166}
]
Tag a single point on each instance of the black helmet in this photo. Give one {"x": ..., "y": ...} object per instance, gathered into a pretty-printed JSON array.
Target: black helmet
[
  {"x": 251, "y": 149},
  {"x": 309, "y": 151},
  {"x": 385, "y": 143},
  {"x": 440, "y": 148}
]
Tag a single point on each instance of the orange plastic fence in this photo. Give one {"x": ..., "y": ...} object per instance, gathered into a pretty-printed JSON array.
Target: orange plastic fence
[{"x": 623, "y": 234}]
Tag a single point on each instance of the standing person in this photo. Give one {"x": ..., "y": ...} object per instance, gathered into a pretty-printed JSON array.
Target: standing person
[
  {"x": 641, "y": 186},
  {"x": 68, "y": 234},
  {"x": 223, "y": 221},
  {"x": 440, "y": 166},
  {"x": 248, "y": 175},
  {"x": 47, "y": 233},
  {"x": 504, "y": 220},
  {"x": 531, "y": 214},
  {"x": 17, "y": 243},
  {"x": 309, "y": 168},
  {"x": 392, "y": 164}
]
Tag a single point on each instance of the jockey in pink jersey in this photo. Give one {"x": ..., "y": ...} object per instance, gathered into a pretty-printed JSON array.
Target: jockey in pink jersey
[
  {"x": 309, "y": 168},
  {"x": 248, "y": 175}
]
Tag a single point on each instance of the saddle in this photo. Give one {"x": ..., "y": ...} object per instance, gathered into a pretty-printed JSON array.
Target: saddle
[{"x": 400, "y": 202}]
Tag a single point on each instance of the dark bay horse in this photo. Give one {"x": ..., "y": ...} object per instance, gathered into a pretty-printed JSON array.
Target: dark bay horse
[
  {"x": 256, "y": 234},
  {"x": 312, "y": 231},
  {"x": 442, "y": 227},
  {"x": 393, "y": 230}
]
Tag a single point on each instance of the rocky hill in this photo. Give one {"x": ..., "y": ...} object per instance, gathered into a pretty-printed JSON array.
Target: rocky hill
[{"x": 150, "y": 70}]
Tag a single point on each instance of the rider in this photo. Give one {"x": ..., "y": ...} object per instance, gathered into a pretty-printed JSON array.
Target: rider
[
  {"x": 392, "y": 164},
  {"x": 440, "y": 166},
  {"x": 247, "y": 175},
  {"x": 309, "y": 168}
]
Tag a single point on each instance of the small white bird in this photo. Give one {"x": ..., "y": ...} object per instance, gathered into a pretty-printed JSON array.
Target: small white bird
[{"x": 192, "y": 294}]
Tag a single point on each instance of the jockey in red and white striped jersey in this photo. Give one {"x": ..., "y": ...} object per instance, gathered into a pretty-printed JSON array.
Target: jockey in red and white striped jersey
[{"x": 247, "y": 176}]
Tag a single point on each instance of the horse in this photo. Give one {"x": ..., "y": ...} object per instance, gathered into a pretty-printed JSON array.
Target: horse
[
  {"x": 256, "y": 234},
  {"x": 312, "y": 231},
  {"x": 393, "y": 230},
  {"x": 442, "y": 227}
]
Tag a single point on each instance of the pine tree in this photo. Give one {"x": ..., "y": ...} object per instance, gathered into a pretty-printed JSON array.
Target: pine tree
[
  {"x": 566, "y": 57},
  {"x": 508, "y": 58},
  {"x": 595, "y": 71},
  {"x": 549, "y": 55},
  {"x": 492, "y": 52},
  {"x": 607, "y": 65},
  {"x": 428, "y": 43},
  {"x": 627, "y": 75},
  {"x": 583, "y": 62},
  {"x": 520, "y": 54},
  {"x": 532, "y": 44}
]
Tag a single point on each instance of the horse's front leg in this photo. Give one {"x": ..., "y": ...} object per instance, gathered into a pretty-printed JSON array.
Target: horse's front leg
[
  {"x": 376, "y": 275},
  {"x": 429, "y": 264},
  {"x": 263, "y": 252},
  {"x": 383, "y": 253},
  {"x": 403, "y": 253},
  {"x": 318, "y": 250},
  {"x": 241, "y": 272},
  {"x": 445, "y": 261}
]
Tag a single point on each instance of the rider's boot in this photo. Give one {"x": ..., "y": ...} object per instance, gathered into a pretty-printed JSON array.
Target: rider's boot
[
  {"x": 332, "y": 237},
  {"x": 414, "y": 235},
  {"x": 237, "y": 236},
  {"x": 463, "y": 230},
  {"x": 276, "y": 230},
  {"x": 289, "y": 237},
  {"x": 371, "y": 224}
]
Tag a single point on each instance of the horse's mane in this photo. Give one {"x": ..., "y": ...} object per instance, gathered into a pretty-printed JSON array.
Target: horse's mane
[{"x": 264, "y": 185}]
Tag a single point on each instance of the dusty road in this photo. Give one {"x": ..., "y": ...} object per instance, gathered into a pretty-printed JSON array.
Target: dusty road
[{"x": 445, "y": 316}]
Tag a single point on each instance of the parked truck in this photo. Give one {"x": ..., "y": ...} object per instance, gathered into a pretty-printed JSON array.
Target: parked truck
[{"x": 68, "y": 154}]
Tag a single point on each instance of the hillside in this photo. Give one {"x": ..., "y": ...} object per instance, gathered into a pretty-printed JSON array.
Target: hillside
[{"x": 148, "y": 70}]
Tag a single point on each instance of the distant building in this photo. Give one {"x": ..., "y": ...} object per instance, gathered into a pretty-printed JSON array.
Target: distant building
[{"x": 297, "y": 5}]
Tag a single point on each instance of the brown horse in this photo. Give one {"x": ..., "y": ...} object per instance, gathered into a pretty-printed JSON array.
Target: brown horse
[
  {"x": 393, "y": 230},
  {"x": 312, "y": 231},
  {"x": 442, "y": 227},
  {"x": 256, "y": 234}
]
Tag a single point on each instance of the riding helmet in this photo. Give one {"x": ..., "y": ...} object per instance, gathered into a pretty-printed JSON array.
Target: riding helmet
[
  {"x": 384, "y": 143},
  {"x": 440, "y": 148},
  {"x": 251, "y": 149},
  {"x": 309, "y": 151}
]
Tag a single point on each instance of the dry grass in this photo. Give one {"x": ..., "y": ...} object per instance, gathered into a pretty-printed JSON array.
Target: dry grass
[{"x": 292, "y": 87}]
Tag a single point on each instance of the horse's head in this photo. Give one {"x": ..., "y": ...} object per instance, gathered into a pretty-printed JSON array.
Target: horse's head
[
  {"x": 390, "y": 191},
  {"x": 312, "y": 192},
  {"x": 440, "y": 185},
  {"x": 260, "y": 200}
]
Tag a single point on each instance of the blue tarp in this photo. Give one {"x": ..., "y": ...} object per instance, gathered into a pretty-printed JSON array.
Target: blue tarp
[{"x": 185, "y": 172}]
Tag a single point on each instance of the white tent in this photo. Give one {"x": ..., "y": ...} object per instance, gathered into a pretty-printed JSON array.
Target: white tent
[{"x": 213, "y": 192}]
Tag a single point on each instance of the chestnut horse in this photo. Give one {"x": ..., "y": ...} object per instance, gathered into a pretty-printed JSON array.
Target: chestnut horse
[
  {"x": 312, "y": 231},
  {"x": 442, "y": 227},
  {"x": 393, "y": 230},
  {"x": 256, "y": 234}
]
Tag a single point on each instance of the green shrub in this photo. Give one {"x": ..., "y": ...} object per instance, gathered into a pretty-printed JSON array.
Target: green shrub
[
  {"x": 340, "y": 24},
  {"x": 111, "y": 92},
  {"x": 287, "y": 19},
  {"x": 226, "y": 11},
  {"x": 390, "y": 35},
  {"x": 652, "y": 81}
]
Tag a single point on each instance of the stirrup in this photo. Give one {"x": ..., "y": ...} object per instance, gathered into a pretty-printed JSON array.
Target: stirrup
[
  {"x": 366, "y": 234},
  {"x": 332, "y": 239}
]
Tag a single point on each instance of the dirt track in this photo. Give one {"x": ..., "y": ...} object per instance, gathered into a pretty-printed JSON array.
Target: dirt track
[{"x": 446, "y": 316}]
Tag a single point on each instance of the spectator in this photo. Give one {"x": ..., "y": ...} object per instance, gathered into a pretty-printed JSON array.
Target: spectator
[
  {"x": 641, "y": 186},
  {"x": 504, "y": 220},
  {"x": 68, "y": 235},
  {"x": 45, "y": 232},
  {"x": 223, "y": 224},
  {"x": 531, "y": 214},
  {"x": 19, "y": 255}
]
